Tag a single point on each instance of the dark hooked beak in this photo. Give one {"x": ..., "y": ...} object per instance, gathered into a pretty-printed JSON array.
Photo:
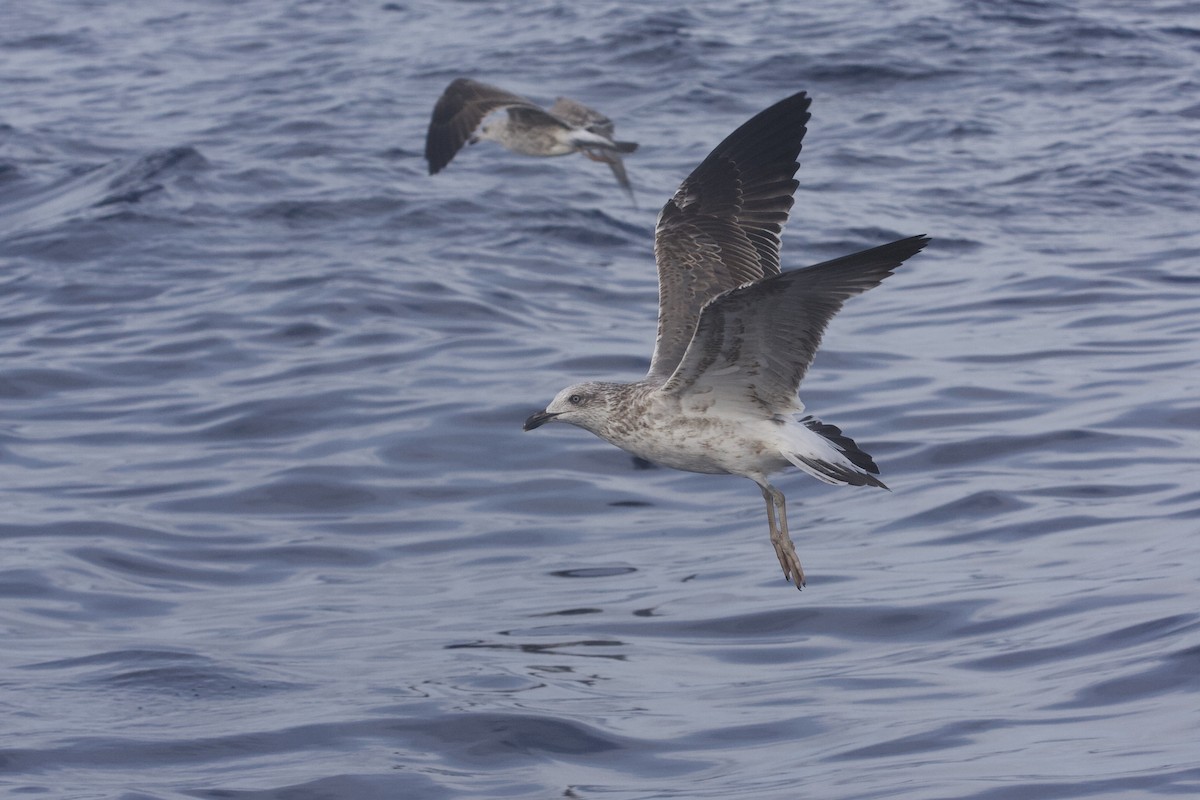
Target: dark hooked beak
[{"x": 538, "y": 420}]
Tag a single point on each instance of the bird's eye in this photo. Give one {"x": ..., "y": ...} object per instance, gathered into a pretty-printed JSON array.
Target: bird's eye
[{"x": 574, "y": 399}]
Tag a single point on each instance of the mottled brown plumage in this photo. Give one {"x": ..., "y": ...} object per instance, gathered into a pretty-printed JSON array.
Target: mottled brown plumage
[
  {"x": 722, "y": 227},
  {"x": 526, "y": 128},
  {"x": 735, "y": 335}
]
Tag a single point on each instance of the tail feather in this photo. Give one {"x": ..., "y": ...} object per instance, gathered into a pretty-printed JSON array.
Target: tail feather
[
  {"x": 831, "y": 456},
  {"x": 587, "y": 140},
  {"x": 858, "y": 457}
]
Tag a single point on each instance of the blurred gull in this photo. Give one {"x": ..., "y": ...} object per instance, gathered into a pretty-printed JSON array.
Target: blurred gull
[
  {"x": 526, "y": 128},
  {"x": 735, "y": 335}
]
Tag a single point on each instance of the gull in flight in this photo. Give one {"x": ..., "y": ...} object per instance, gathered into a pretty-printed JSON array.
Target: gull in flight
[
  {"x": 736, "y": 335},
  {"x": 525, "y": 127}
]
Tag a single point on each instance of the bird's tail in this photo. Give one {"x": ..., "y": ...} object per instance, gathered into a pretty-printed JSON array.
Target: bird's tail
[
  {"x": 827, "y": 454},
  {"x": 587, "y": 140}
]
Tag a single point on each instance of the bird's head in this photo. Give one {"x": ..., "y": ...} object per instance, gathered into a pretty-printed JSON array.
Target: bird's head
[
  {"x": 587, "y": 405},
  {"x": 488, "y": 131}
]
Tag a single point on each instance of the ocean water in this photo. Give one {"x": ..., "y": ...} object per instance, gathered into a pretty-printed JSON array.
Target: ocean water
[{"x": 269, "y": 526}]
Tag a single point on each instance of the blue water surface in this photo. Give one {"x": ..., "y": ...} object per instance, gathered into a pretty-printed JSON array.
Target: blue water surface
[{"x": 270, "y": 527}]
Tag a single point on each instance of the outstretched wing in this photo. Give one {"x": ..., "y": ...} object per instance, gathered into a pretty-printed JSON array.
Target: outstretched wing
[
  {"x": 577, "y": 115},
  {"x": 754, "y": 344},
  {"x": 617, "y": 166},
  {"x": 532, "y": 116},
  {"x": 722, "y": 228},
  {"x": 458, "y": 113}
]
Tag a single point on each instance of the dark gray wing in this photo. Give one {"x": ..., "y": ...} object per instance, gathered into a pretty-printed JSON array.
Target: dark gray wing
[
  {"x": 618, "y": 170},
  {"x": 753, "y": 345},
  {"x": 578, "y": 115},
  {"x": 458, "y": 113},
  {"x": 722, "y": 227},
  {"x": 532, "y": 116}
]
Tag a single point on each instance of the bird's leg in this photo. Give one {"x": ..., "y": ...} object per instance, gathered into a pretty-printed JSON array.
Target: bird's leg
[
  {"x": 766, "y": 493},
  {"x": 784, "y": 549},
  {"x": 594, "y": 156},
  {"x": 797, "y": 570}
]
